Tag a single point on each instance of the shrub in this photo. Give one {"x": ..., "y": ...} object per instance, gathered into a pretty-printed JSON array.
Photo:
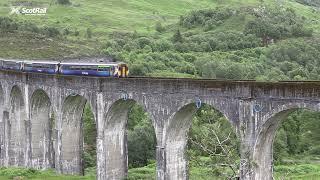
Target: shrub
[
  {"x": 76, "y": 33},
  {"x": 12, "y": 172},
  {"x": 50, "y": 31},
  {"x": 29, "y": 27},
  {"x": 64, "y": 2},
  {"x": 206, "y": 18},
  {"x": 66, "y": 31},
  {"x": 89, "y": 33},
  {"x": 315, "y": 150},
  {"x": 159, "y": 27},
  {"x": 162, "y": 45},
  {"x": 138, "y": 70},
  {"x": 143, "y": 41},
  {"x": 7, "y": 24},
  {"x": 177, "y": 37}
]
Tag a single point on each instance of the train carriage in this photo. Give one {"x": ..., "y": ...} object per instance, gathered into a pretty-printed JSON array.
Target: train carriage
[
  {"x": 94, "y": 69},
  {"x": 11, "y": 65},
  {"x": 41, "y": 67}
]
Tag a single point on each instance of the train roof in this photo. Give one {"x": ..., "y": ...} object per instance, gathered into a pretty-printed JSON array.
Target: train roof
[
  {"x": 62, "y": 63},
  {"x": 41, "y": 62},
  {"x": 93, "y": 64},
  {"x": 29, "y": 61},
  {"x": 11, "y": 60}
]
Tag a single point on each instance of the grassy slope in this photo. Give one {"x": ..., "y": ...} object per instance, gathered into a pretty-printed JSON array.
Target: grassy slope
[
  {"x": 31, "y": 46},
  {"x": 141, "y": 15},
  {"x": 305, "y": 171},
  {"x": 107, "y": 16},
  {"x": 104, "y": 17}
]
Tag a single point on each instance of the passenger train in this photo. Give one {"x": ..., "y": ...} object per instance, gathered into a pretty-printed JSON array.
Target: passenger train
[{"x": 111, "y": 69}]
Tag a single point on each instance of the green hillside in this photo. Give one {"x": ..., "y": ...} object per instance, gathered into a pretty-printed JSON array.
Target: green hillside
[
  {"x": 101, "y": 18},
  {"x": 114, "y": 15},
  {"x": 140, "y": 15}
]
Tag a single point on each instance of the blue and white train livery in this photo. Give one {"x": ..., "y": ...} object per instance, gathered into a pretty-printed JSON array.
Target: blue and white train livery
[
  {"x": 112, "y": 69},
  {"x": 41, "y": 67}
]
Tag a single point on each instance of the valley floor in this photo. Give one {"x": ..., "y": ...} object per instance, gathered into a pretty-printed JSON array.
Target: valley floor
[{"x": 307, "y": 171}]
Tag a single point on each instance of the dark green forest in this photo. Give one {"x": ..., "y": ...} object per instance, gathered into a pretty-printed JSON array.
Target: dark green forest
[
  {"x": 263, "y": 43},
  {"x": 273, "y": 45}
]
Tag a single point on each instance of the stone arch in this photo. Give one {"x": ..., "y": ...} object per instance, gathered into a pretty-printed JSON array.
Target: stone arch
[
  {"x": 263, "y": 147},
  {"x": 41, "y": 130},
  {"x": 115, "y": 138},
  {"x": 17, "y": 146},
  {"x": 176, "y": 142},
  {"x": 176, "y": 136},
  {"x": 71, "y": 146}
]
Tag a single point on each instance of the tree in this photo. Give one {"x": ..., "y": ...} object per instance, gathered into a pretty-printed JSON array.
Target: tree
[
  {"x": 212, "y": 136},
  {"x": 276, "y": 23},
  {"x": 177, "y": 37},
  {"x": 63, "y": 2},
  {"x": 141, "y": 138},
  {"x": 90, "y": 133}
]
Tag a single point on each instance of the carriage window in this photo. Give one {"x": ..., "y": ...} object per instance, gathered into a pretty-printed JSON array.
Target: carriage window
[
  {"x": 75, "y": 67},
  {"x": 101, "y": 69},
  {"x": 87, "y": 67},
  {"x": 104, "y": 69}
]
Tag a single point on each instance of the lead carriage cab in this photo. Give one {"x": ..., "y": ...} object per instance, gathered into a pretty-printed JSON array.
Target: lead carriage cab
[
  {"x": 122, "y": 70},
  {"x": 112, "y": 69}
]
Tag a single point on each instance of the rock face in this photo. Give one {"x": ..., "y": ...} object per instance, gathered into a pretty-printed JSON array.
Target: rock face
[{"x": 40, "y": 120}]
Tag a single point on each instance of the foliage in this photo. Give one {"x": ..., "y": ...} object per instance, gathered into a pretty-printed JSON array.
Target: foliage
[
  {"x": 90, "y": 133},
  {"x": 7, "y": 24},
  {"x": 228, "y": 54},
  {"x": 212, "y": 136},
  {"x": 208, "y": 19},
  {"x": 298, "y": 135},
  {"x": 297, "y": 169},
  {"x": 146, "y": 172},
  {"x": 64, "y": 2},
  {"x": 89, "y": 33},
  {"x": 276, "y": 23},
  {"x": 28, "y": 173},
  {"x": 17, "y": 172},
  {"x": 10, "y": 25},
  {"x": 141, "y": 138},
  {"x": 177, "y": 37},
  {"x": 50, "y": 31},
  {"x": 159, "y": 27}
]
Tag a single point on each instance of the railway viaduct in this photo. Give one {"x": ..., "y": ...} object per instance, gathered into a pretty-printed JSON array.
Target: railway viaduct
[{"x": 40, "y": 119}]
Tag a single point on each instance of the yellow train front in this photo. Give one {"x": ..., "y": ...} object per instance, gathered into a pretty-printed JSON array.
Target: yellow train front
[{"x": 122, "y": 70}]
